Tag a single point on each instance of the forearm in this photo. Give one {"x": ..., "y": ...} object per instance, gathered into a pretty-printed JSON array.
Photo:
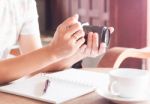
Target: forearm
[
  {"x": 17, "y": 67},
  {"x": 63, "y": 64}
]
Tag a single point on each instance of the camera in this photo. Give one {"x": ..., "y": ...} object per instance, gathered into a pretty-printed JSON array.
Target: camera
[
  {"x": 104, "y": 35},
  {"x": 103, "y": 32}
]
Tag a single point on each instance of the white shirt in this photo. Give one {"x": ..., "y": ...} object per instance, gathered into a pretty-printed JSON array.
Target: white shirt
[{"x": 17, "y": 17}]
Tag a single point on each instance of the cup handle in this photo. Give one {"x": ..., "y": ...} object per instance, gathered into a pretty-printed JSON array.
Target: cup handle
[{"x": 111, "y": 89}]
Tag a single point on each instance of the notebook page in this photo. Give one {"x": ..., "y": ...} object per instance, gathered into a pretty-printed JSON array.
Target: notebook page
[
  {"x": 59, "y": 90},
  {"x": 65, "y": 92},
  {"x": 94, "y": 79}
]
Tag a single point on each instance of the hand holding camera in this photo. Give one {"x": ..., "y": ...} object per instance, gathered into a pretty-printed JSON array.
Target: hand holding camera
[{"x": 103, "y": 32}]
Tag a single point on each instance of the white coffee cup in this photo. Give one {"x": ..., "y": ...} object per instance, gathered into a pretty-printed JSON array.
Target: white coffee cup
[{"x": 128, "y": 83}]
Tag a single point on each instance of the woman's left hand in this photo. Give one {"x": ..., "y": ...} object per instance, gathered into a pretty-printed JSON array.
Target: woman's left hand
[{"x": 92, "y": 48}]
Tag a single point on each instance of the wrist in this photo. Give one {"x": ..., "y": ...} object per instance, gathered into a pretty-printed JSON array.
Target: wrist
[{"x": 52, "y": 54}]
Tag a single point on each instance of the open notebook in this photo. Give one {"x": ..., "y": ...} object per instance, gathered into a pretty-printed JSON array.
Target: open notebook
[{"x": 65, "y": 85}]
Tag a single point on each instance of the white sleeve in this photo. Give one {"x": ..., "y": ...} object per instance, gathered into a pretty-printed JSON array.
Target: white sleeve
[{"x": 30, "y": 25}]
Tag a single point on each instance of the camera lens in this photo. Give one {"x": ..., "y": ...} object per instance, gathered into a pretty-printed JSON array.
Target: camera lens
[{"x": 105, "y": 35}]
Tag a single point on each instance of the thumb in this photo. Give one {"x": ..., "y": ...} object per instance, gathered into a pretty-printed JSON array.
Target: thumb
[{"x": 111, "y": 29}]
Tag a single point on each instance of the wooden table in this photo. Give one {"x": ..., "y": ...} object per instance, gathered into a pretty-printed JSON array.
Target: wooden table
[{"x": 91, "y": 98}]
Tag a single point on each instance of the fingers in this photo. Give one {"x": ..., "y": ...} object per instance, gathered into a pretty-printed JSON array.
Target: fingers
[
  {"x": 102, "y": 48},
  {"x": 80, "y": 42},
  {"x": 70, "y": 27},
  {"x": 89, "y": 41},
  {"x": 93, "y": 49},
  {"x": 88, "y": 49},
  {"x": 83, "y": 48},
  {"x": 78, "y": 38},
  {"x": 95, "y": 45},
  {"x": 70, "y": 21},
  {"x": 73, "y": 29},
  {"x": 93, "y": 42},
  {"x": 111, "y": 29}
]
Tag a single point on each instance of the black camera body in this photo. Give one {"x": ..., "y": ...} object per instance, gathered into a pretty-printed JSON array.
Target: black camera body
[{"x": 103, "y": 31}]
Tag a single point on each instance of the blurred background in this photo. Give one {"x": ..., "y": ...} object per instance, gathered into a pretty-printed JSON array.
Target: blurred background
[{"x": 128, "y": 17}]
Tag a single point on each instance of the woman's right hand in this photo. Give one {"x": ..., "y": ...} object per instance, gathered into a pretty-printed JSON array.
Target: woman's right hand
[{"x": 68, "y": 37}]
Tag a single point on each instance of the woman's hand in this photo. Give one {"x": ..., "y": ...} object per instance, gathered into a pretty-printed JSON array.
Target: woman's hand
[
  {"x": 68, "y": 37},
  {"x": 93, "y": 48}
]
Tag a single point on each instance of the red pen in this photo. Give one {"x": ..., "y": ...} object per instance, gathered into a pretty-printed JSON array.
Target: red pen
[{"x": 47, "y": 82}]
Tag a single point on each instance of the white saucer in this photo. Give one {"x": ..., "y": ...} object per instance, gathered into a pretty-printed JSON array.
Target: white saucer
[{"x": 116, "y": 99}]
